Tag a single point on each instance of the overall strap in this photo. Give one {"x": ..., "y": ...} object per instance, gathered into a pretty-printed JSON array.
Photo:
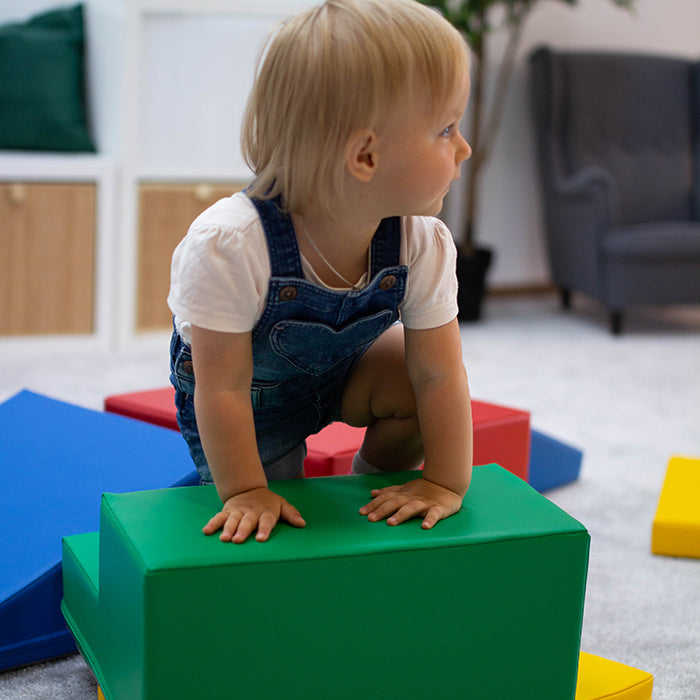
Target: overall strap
[
  {"x": 281, "y": 240},
  {"x": 386, "y": 245}
]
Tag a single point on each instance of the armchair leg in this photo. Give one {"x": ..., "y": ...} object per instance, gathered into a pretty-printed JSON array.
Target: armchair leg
[
  {"x": 565, "y": 296},
  {"x": 616, "y": 321}
]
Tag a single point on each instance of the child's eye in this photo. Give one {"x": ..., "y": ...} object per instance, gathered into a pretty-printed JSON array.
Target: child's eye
[{"x": 447, "y": 131}]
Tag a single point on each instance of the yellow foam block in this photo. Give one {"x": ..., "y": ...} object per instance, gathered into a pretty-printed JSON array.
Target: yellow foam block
[
  {"x": 602, "y": 679},
  {"x": 676, "y": 527},
  {"x": 100, "y": 694}
]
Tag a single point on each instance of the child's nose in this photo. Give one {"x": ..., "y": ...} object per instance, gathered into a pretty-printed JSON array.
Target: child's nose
[{"x": 464, "y": 151}]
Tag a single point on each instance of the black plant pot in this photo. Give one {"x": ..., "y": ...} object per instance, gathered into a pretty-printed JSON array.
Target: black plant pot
[{"x": 471, "y": 276}]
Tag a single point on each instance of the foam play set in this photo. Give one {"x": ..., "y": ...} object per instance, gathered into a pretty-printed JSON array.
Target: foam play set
[
  {"x": 151, "y": 600},
  {"x": 56, "y": 460},
  {"x": 676, "y": 525},
  {"x": 603, "y": 679},
  {"x": 501, "y": 434},
  {"x": 64, "y": 456}
]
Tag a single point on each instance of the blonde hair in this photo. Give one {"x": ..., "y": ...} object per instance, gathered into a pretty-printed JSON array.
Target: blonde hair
[{"x": 341, "y": 66}]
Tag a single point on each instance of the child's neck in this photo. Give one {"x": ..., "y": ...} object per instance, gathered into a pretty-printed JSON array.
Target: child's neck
[{"x": 335, "y": 247}]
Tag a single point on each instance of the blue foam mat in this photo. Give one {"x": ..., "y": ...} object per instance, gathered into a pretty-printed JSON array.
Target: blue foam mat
[
  {"x": 553, "y": 463},
  {"x": 56, "y": 460}
]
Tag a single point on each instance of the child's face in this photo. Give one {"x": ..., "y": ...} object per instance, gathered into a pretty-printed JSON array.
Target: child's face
[{"x": 420, "y": 152}]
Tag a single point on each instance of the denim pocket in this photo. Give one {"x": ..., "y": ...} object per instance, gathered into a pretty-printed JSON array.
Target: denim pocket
[
  {"x": 181, "y": 368},
  {"x": 267, "y": 394},
  {"x": 315, "y": 348}
]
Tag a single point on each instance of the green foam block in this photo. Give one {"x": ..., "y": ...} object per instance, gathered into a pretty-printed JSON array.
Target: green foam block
[{"x": 488, "y": 604}]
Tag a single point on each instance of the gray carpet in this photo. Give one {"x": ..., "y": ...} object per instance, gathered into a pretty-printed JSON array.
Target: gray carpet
[{"x": 629, "y": 403}]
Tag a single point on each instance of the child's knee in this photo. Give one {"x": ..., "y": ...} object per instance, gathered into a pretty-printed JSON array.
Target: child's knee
[
  {"x": 393, "y": 444},
  {"x": 380, "y": 386}
]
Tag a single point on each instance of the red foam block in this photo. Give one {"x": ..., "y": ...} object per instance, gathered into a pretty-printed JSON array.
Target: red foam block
[
  {"x": 330, "y": 452},
  {"x": 501, "y": 434},
  {"x": 155, "y": 406}
]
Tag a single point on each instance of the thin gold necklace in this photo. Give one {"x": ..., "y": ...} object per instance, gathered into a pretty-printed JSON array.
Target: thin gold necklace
[{"x": 325, "y": 259}]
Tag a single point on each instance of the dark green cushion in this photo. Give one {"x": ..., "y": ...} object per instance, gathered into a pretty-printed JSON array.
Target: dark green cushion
[{"x": 42, "y": 81}]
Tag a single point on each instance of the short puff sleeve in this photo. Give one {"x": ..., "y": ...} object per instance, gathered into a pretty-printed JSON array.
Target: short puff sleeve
[
  {"x": 220, "y": 270},
  {"x": 428, "y": 249}
]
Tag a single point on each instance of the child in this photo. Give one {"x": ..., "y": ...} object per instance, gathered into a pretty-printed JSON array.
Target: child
[{"x": 286, "y": 297}]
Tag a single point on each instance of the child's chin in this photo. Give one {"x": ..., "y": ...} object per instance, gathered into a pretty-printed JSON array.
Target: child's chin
[
  {"x": 436, "y": 208},
  {"x": 429, "y": 209}
]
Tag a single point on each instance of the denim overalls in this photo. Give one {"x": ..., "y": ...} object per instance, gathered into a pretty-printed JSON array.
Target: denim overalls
[{"x": 305, "y": 345}]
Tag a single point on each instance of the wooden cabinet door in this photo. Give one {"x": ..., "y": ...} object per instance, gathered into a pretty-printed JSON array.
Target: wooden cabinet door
[
  {"x": 165, "y": 213},
  {"x": 47, "y": 258}
]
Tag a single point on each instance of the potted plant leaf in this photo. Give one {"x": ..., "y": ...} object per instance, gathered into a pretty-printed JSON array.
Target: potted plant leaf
[{"x": 477, "y": 19}]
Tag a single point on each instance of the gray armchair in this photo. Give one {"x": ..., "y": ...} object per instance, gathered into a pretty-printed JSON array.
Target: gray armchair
[{"x": 618, "y": 143}]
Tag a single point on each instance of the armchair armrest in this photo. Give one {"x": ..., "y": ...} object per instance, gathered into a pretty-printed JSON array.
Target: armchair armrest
[
  {"x": 592, "y": 182},
  {"x": 579, "y": 208}
]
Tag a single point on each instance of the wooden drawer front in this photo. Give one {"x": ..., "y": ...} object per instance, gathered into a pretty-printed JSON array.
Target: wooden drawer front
[
  {"x": 47, "y": 265},
  {"x": 165, "y": 213}
]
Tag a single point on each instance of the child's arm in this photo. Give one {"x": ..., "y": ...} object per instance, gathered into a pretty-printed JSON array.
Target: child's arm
[
  {"x": 436, "y": 369},
  {"x": 223, "y": 366}
]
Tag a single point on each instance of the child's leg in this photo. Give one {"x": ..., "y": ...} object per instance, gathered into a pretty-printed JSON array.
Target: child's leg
[{"x": 379, "y": 395}]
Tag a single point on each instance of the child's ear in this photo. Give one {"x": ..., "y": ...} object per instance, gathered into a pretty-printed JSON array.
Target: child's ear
[{"x": 361, "y": 154}]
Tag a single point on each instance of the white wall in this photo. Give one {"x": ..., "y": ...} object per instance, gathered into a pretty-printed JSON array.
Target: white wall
[
  {"x": 510, "y": 219},
  {"x": 19, "y": 10}
]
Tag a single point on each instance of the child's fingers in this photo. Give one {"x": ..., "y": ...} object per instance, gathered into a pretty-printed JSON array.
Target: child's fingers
[
  {"x": 231, "y": 526},
  {"x": 415, "y": 499},
  {"x": 268, "y": 520},
  {"x": 265, "y": 526},
  {"x": 215, "y": 524},
  {"x": 407, "y": 511},
  {"x": 291, "y": 515},
  {"x": 431, "y": 514},
  {"x": 432, "y": 517},
  {"x": 379, "y": 496},
  {"x": 387, "y": 504},
  {"x": 417, "y": 508},
  {"x": 237, "y": 524},
  {"x": 246, "y": 526},
  {"x": 387, "y": 489}
]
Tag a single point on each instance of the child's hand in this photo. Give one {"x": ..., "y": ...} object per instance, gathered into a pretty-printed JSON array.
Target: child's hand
[
  {"x": 419, "y": 497},
  {"x": 245, "y": 512}
]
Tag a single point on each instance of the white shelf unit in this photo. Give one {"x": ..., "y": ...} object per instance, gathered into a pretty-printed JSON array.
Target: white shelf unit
[{"x": 167, "y": 82}]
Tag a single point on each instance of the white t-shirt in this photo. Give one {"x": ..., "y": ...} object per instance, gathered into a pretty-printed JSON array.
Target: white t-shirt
[{"x": 220, "y": 271}]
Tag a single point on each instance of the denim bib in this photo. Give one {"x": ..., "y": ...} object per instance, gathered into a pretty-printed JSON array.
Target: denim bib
[{"x": 308, "y": 338}]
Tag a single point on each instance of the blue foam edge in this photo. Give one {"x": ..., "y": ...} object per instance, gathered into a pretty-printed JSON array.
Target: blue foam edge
[
  {"x": 553, "y": 463},
  {"x": 57, "y": 460}
]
